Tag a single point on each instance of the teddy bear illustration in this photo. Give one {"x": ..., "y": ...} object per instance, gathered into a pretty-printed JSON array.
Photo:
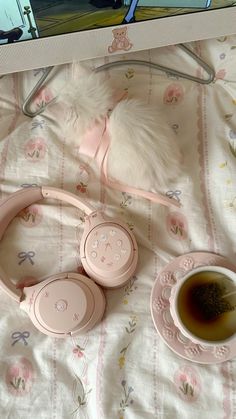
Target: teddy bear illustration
[{"x": 120, "y": 41}]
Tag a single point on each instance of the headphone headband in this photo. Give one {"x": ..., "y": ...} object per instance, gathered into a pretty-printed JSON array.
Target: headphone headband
[
  {"x": 21, "y": 199},
  {"x": 12, "y": 205},
  {"x": 70, "y": 198}
]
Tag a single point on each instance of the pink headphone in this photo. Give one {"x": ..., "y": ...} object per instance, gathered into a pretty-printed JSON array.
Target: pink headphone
[{"x": 67, "y": 304}]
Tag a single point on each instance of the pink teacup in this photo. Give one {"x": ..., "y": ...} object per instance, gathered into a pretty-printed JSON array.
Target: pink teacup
[{"x": 203, "y": 305}]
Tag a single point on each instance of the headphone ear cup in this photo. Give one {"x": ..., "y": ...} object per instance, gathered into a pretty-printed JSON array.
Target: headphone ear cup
[
  {"x": 96, "y": 306},
  {"x": 64, "y": 305},
  {"x": 109, "y": 252}
]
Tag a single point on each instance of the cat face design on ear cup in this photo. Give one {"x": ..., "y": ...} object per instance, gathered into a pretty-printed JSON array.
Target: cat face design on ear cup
[
  {"x": 108, "y": 251},
  {"x": 64, "y": 305}
]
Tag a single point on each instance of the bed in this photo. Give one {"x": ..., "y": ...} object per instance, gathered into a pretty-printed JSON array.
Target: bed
[{"x": 122, "y": 369}]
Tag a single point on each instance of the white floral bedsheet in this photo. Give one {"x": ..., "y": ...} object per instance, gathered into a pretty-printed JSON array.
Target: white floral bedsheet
[{"x": 121, "y": 369}]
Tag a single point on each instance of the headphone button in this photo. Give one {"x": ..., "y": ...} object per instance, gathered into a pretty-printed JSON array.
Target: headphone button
[
  {"x": 114, "y": 252},
  {"x": 61, "y": 305},
  {"x": 75, "y": 317}
]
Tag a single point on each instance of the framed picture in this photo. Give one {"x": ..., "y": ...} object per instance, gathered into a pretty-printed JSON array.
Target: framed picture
[{"x": 41, "y": 33}]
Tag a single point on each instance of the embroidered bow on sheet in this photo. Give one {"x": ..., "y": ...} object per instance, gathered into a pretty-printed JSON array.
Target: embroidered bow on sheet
[
  {"x": 26, "y": 256},
  {"x": 20, "y": 336}
]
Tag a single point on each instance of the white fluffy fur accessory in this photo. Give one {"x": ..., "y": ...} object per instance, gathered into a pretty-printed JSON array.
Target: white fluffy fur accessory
[{"x": 143, "y": 151}]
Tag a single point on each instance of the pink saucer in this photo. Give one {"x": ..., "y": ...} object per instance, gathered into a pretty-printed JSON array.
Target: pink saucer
[{"x": 161, "y": 312}]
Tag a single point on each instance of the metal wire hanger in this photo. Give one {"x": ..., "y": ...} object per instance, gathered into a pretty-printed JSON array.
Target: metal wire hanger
[{"x": 210, "y": 72}]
